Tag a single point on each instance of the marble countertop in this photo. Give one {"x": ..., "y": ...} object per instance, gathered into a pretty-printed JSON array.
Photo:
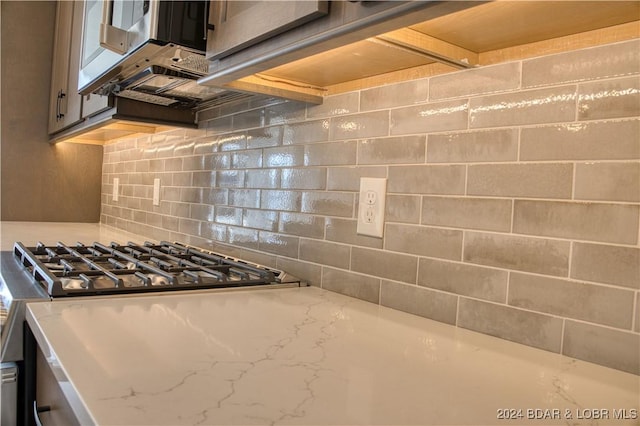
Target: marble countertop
[
  {"x": 306, "y": 356},
  {"x": 31, "y": 233}
]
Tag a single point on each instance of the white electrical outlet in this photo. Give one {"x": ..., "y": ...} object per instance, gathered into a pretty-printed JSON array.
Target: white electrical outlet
[
  {"x": 156, "y": 192},
  {"x": 116, "y": 189},
  {"x": 371, "y": 206}
]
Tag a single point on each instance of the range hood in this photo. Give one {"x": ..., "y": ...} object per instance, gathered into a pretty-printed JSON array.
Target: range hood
[
  {"x": 166, "y": 77},
  {"x": 150, "y": 51}
]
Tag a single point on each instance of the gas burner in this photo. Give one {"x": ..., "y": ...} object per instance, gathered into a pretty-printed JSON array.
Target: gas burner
[{"x": 100, "y": 269}]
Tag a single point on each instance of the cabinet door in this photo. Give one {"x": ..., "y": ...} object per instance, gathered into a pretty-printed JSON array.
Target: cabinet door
[
  {"x": 238, "y": 24},
  {"x": 65, "y": 103},
  {"x": 50, "y": 400}
]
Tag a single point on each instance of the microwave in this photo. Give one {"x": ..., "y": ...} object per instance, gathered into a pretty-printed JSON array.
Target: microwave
[{"x": 147, "y": 50}]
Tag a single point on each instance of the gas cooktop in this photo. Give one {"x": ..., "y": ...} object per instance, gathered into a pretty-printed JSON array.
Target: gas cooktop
[{"x": 98, "y": 269}]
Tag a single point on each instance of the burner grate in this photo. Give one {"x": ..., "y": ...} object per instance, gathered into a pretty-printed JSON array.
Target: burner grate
[{"x": 110, "y": 269}]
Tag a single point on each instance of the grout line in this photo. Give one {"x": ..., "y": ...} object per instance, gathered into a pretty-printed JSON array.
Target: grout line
[
  {"x": 564, "y": 321},
  {"x": 506, "y": 293}
]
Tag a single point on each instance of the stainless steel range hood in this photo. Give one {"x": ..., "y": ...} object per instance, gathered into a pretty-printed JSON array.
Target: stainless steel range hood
[
  {"x": 165, "y": 76},
  {"x": 149, "y": 51}
]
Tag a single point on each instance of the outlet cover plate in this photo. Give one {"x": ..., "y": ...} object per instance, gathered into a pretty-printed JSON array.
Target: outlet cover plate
[
  {"x": 156, "y": 192},
  {"x": 116, "y": 189},
  {"x": 371, "y": 205}
]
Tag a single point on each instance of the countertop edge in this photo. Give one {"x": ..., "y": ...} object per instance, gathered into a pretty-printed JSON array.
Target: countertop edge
[{"x": 72, "y": 396}]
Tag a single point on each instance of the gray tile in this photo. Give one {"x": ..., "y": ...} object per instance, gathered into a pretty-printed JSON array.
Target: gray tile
[
  {"x": 431, "y": 117},
  {"x": 328, "y": 203},
  {"x": 304, "y": 178},
  {"x": 181, "y": 210},
  {"x": 475, "y": 81},
  {"x": 189, "y": 226},
  {"x": 344, "y": 231},
  {"x": 249, "y": 119},
  {"x": 419, "y": 301},
  {"x": 228, "y": 215},
  {"x": 609, "y": 99},
  {"x": 582, "y": 141},
  {"x": 384, "y": 264},
  {"x": 307, "y": 272},
  {"x": 244, "y": 198},
  {"x": 393, "y": 150},
  {"x": 285, "y": 112},
  {"x": 476, "y": 146},
  {"x": 194, "y": 162},
  {"x": 470, "y": 213},
  {"x": 306, "y": 132},
  {"x": 289, "y": 156},
  {"x": 605, "y": 346},
  {"x": 553, "y": 105},
  {"x": 549, "y": 257},
  {"x": 280, "y": 200},
  {"x": 202, "y": 212},
  {"x": 302, "y": 225},
  {"x": 606, "y": 264},
  {"x": 330, "y": 154},
  {"x": 217, "y": 161},
  {"x": 346, "y": 103},
  {"x": 402, "y": 208},
  {"x": 204, "y": 179},
  {"x": 215, "y": 196},
  {"x": 263, "y": 178},
  {"x": 607, "y": 181},
  {"x": 529, "y": 328},
  {"x": 358, "y": 126},
  {"x": 213, "y": 231},
  {"x": 350, "y": 284},
  {"x": 571, "y": 299},
  {"x": 232, "y": 142},
  {"x": 521, "y": 180},
  {"x": 427, "y": 179},
  {"x": 205, "y": 145},
  {"x": 264, "y": 137},
  {"x": 464, "y": 279},
  {"x": 284, "y": 245},
  {"x": 248, "y": 159},
  {"x": 348, "y": 178},
  {"x": 616, "y": 223},
  {"x": 394, "y": 95},
  {"x": 424, "y": 241},
  {"x": 230, "y": 178},
  {"x": 243, "y": 237},
  {"x": 260, "y": 219},
  {"x": 612, "y": 60},
  {"x": 325, "y": 253}
]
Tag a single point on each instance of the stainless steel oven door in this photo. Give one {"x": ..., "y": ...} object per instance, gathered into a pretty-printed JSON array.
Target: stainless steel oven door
[
  {"x": 9, "y": 394},
  {"x": 112, "y": 30}
]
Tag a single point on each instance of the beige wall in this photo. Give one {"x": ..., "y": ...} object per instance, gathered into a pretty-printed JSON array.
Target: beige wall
[
  {"x": 513, "y": 197},
  {"x": 39, "y": 182}
]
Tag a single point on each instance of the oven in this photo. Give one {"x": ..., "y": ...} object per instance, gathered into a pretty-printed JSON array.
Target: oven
[{"x": 54, "y": 272}]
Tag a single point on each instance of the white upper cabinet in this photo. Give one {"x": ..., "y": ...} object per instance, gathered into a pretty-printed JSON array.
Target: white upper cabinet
[
  {"x": 239, "y": 24},
  {"x": 65, "y": 102}
]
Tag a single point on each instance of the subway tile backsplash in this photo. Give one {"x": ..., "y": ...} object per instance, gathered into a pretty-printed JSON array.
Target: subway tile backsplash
[{"x": 512, "y": 209}]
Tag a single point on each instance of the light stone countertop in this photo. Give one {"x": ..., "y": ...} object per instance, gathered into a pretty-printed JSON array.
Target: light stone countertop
[
  {"x": 70, "y": 233},
  {"x": 296, "y": 356},
  {"x": 306, "y": 356}
]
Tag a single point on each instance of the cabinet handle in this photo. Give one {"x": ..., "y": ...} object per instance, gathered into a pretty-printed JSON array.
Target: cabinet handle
[
  {"x": 36, "y": 410},
  {"x": 58, "y": 106},
  {"x": 62, "y": 96}
]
